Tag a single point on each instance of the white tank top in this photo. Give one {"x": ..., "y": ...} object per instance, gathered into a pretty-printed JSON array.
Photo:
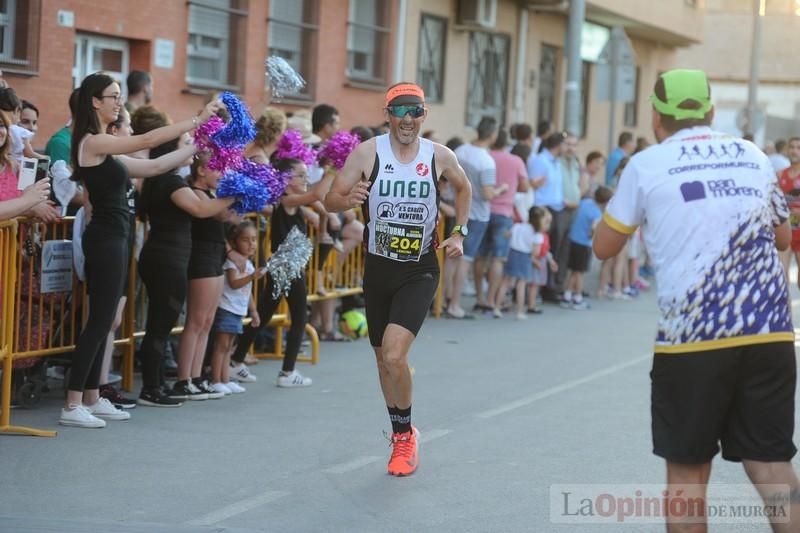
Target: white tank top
[{"x": 403, "y": 204}]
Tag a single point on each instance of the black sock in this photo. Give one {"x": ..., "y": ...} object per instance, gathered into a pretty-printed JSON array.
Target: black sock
[{"x": 401, "y": 419}]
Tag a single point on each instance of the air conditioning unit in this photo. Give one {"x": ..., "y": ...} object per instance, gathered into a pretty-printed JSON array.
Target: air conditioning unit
[{"x": 481, "y": 13}]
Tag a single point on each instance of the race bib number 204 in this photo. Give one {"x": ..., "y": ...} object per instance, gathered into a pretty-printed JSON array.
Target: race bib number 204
[{"x": 401, "y": 242}]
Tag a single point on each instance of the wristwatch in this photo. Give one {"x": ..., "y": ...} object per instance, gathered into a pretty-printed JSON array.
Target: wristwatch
[{"x": 461, "y": 230}]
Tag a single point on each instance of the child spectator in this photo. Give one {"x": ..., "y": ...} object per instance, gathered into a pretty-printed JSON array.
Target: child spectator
[
  {"x": 237, "y": 299},
  {"x": 20, "y": 137},
  {"x": 287, "y": 215},
  {"x": 519, "y": 265},
  {"x": 543, "y": 262},
  {"x": 589, "y": 214},
  {"x": 528, "y": 252}
]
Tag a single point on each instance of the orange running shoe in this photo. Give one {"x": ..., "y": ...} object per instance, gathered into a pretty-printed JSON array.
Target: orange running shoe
[{"x": 404, "y": 453}]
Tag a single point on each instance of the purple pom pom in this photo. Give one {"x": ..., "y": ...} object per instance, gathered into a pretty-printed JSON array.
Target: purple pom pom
[
  {"x": 255, "y": 186},
  {"x": 222, "y": 159},
  {"x": 291, "y": 146},
  {"x": 338, "y": 148},
  {"x": 275, "y": 182},
  {"x": 240, "y": 130}
]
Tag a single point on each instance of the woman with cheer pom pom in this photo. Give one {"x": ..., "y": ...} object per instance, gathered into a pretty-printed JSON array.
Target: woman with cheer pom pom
[
  {"x": 169, "y": 205},
  {"x": 287, "y": 216},
  {"x": 269, "y": 130},
  {"x": 99, "y": 163}
]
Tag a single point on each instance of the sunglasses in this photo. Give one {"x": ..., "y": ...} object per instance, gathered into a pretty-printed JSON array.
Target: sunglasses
[{"x": 400, "y": 111}]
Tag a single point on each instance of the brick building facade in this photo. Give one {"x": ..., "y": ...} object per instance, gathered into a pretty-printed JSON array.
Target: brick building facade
[{"x": 343, "y": 47}]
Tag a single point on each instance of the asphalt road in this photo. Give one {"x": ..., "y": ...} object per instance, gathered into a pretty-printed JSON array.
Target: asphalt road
[{"x": 506, "y": 410}]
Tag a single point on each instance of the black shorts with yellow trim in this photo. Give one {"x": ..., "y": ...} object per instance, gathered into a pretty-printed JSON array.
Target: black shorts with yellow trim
[{"x": 740, "y": 398}]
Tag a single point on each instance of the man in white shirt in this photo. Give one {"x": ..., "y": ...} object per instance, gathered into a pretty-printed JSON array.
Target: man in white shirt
[
  {"x": 779, "y": 160},
  {"x": 724, "y": 370},
  {"x": 480, "y": 168}
]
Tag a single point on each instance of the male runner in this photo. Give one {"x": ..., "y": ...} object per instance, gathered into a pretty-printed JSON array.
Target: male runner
[
  {"x": 789, "y": 180},
  {"x": 724, "y": 369},
  {"x": 396, "y": 177}
]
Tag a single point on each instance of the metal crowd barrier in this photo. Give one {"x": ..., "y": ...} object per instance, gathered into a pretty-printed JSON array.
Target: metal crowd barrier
[{"x": 33, "y": 324}]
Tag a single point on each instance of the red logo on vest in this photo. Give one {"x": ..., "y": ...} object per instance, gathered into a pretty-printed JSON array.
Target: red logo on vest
[{"x": 422, "y": 169}]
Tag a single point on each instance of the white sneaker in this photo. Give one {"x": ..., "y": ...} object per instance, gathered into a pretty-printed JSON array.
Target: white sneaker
[
  {"x": 497, "y": 313},
  {"x": 522, "y": 316},
  {"x": 235, "y": 387},
  {"x": 242, "y": 374},
  {"x": 293, "y": 379},
  {"x": 105, "y": 409},
  {"x": 55, "y": 372},
  {"x": 619, "y": 296},
  {"x": 80, "y": 416},
  {"x": 221, "y": 387}
]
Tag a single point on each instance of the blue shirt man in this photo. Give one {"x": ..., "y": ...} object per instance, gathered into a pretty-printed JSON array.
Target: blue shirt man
[
  {"x": 625, "y": 148},
  {"x": 545, "y": 167}
]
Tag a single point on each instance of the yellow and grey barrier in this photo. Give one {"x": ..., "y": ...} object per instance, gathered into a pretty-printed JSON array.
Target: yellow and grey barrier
[{"x": 35, "y": 324}]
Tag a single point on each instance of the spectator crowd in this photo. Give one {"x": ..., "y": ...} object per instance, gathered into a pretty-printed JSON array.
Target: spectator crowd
[{"x": 126, "y": 169}]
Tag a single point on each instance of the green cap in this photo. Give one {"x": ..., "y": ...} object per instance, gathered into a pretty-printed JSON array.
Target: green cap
[{"x": 681, "y": 85}]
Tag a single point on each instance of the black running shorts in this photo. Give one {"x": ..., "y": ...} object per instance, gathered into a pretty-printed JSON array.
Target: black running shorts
[
  {"x": 579, "y": 258},
  {"x": 398, "y": 293},
  {"x": 741, "y": 398}
]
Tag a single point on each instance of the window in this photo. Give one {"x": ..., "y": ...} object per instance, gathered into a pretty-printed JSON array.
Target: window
[
  {"x": 632, "y": 108},
  {"x": 548, "y": 64},
  {"x": 293, "y": 35},
  {"x": 488, "y": 77},
  {"x": 93, "y": 53},
  {"x": 430, "y": 57},
  {"x": 216, "y": 39},
  {"x": 19, "y": 34},
  {"x": 368, "y": 40}
]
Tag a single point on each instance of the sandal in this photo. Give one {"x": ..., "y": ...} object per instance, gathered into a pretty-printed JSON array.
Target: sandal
[{"x": 333, "y": 337}]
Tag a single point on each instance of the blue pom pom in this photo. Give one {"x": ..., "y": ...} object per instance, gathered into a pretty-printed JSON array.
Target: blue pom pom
[
  {"x": 240, "y": 130},
  {"x": 254, "y": 185}
]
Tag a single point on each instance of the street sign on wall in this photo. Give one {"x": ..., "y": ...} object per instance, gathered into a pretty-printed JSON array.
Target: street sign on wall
[{"x": 617, "y": 58}]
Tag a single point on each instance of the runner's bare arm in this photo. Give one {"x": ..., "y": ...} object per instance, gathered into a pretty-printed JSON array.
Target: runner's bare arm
[
  {"x": 608, "y": 242},
  {"x": 783, "y": 236},
  {"x": 349, "y": 188},
  {"x": 455, "y": 176}
]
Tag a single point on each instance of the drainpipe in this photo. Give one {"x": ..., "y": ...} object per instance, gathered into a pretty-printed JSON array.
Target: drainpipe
[
  {"x": 522, "y": 48},
  {"x": 400, "y": 42},
  {"x": 577, "y": 12}
]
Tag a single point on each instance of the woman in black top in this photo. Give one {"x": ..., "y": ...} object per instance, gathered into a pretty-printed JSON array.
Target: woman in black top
[
  {"x": 285, "y": 216},
  {"x": 98, "y": 162},
  {"x": 205, "y": 285},
  {"x": 168, "y": 204}
]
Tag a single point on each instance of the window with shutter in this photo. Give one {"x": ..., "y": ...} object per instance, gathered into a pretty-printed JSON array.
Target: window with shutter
[
  {"x": 548, "y": 64},
  {"x": 367, "y": 40},
  {"x": 216, "y": 27},
  {"x": 488, "y": 77},
  {"x": 430, "y": 57},
  {"x": 293, "y": 36},
  {"x": 19, "y": 35}
]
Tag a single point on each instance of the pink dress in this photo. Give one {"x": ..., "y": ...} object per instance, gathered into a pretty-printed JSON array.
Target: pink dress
[
  {"x": 26, "y": 283},
  {"x": 8, "y": 184}
]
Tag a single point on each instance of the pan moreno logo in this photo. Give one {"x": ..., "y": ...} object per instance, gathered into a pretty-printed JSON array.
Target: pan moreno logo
[{"x": 727, "y": 188}]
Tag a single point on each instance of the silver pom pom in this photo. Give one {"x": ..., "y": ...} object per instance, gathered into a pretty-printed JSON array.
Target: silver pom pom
[
  {"x": 286, "y": 264},
  {"x": 283, "y": 79}
]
